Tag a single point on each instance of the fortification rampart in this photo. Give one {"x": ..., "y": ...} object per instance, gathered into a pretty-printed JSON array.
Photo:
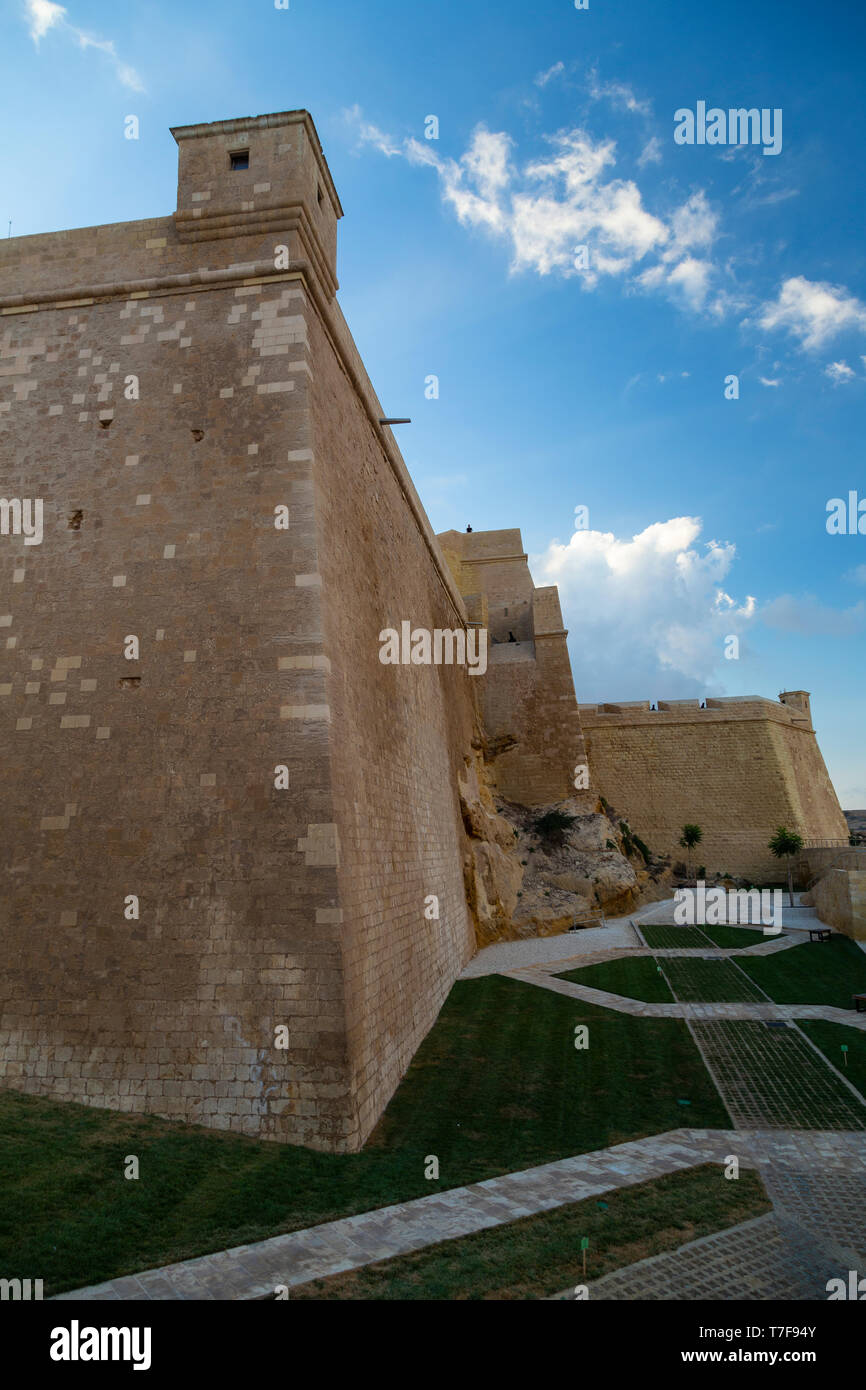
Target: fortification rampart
[
  {"x": 739, "y": 767},
  {"x": 528, "y": 700},
  {"x": 218, "y": 852}
]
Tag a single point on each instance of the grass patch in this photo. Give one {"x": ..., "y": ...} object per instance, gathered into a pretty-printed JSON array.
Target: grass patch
[
  {"x": 817, "y": 972},
  {"x": 670, "y": 938},
  {"x": 496, "y": 1086},
  {"x": 709, "y": 981},
  {"x": 829, "y": 1037},
  {"x": 739, "y": 937},
  {"x": 636, "y": 977},
  {"x": 540, "y": 1255}
]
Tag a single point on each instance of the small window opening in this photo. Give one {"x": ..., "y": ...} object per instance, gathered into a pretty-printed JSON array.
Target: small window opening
[
  {"x": 319, "y": 194},
  {"x": 75, "y": 520},
  {"x": 240, "y": 159}
]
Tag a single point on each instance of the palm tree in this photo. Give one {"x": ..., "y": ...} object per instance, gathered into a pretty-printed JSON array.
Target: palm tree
[
  {"x": 691, "y": 836},
  {"x": 783, "y": 845}
]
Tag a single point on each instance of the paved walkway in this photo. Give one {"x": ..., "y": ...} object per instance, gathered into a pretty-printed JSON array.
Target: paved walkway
[
  {"x": 621, "y": 1003},
  {"x": 255, "y": 1271},
  {"x": 816, "y": 1231},
  {"x": 749, "y": 1261}
]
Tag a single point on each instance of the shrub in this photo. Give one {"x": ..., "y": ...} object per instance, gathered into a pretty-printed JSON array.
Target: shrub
[{"x": 551, "y": 827}]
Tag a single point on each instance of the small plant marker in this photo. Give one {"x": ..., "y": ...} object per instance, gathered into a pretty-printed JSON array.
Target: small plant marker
[
  {"x": 845, "y": 1052},
  {"x": 584, "y": 1246}
]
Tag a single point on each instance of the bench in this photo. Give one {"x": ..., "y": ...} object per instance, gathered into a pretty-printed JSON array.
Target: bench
[
  {"x": 589, "y": 919},
  {"x": 820, "y": 933},
  {"x": 859, "y": 1003}
]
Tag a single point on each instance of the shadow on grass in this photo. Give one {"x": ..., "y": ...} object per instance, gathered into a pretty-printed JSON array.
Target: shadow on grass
[{"x": 496, "y": 1086}]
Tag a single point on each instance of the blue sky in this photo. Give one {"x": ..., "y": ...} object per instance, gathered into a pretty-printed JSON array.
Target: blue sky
[{"x": 558, "y": 386}]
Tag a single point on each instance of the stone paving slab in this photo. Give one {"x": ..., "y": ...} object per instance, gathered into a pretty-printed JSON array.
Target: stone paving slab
[
  {"x": 753, "y": 1261},
  {"x": 621, "y": 1003},
  {"x": 776, "y": 1078},
  {"x": 503, "y": 955},
  {"x": 253, "y": 1271}
]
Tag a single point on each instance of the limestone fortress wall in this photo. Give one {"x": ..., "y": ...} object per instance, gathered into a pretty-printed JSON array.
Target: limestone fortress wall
[
  {"x": 740, "y": 767},
  {"x": 529, "y": 707},
  {"x": 259, "y": 907},
  {"x": 235, "y": 850}
]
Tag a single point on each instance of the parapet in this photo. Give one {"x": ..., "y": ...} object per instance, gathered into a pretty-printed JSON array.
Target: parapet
[{"x": 791, "y": 708}]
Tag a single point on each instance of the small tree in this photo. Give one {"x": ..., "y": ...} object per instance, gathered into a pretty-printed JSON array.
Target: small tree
[
  {"x": 784, "y": 844},
  {"x": 691, "y": 836}
]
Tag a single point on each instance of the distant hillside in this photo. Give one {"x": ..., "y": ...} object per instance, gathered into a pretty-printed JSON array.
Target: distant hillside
[{"x": 856, "y": 822}]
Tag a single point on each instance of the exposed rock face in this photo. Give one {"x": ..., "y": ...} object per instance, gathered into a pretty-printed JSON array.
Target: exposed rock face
[{"x": 521, "y": 883}]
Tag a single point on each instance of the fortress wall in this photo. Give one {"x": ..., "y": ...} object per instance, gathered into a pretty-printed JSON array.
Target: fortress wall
[
  {"x": 249, "y": 637},
  {"x": 739, "y": 769},
  {"x": 165, "y": 790},
  {"x": 528, "y": 692},
  {"x": 398, "y": 736},
  {"x": 839, "y": 899}
]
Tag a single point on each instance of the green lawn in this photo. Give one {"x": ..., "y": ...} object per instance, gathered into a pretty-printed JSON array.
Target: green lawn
[
  {"x": 637, "y": 977},
  {"x": 739, "y": 937},
  {"x": 498, "y": 1085},
  {"x": 829, "y": 1037},
  {"x": 709, "y": 981},
  {"x": 670, "y": 938},
  {"x": 818, "y": 972},
  {"x": 540, "y": 1255}
]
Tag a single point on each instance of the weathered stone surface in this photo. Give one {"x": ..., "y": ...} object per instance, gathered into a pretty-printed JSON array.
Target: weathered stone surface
[{"x": 739, "y": 768}]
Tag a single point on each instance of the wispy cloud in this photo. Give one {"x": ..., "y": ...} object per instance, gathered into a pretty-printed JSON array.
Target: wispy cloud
[
  {"x": 542, "y": 78},
  {"x": 369, "y": 134},
  {"x": 839, "y": 372},
  {"x": 651, "y": 152},
  {"x": 619, "y": 94},
  {"x": 44, "y": 15},
  {"x": 809, "y": 617}
]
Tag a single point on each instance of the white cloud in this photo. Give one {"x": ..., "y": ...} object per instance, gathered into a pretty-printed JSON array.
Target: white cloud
[
  {"x": 694, "y": 225},
  {"x": 814, "y": 311},
  {"x": 769, "y": 381},
  {"x": 548, "y": 207},
  {"x": 543, "y": 78},
  {"x": 838, "y": 372},
  {"x": 42, "y": 15},
  {"x": 659, "y": 614},
  {"x": 692, "y": 278}
]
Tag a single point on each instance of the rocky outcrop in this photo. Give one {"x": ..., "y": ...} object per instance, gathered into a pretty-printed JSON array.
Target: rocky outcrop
[{"x": 524, "y": 878}]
